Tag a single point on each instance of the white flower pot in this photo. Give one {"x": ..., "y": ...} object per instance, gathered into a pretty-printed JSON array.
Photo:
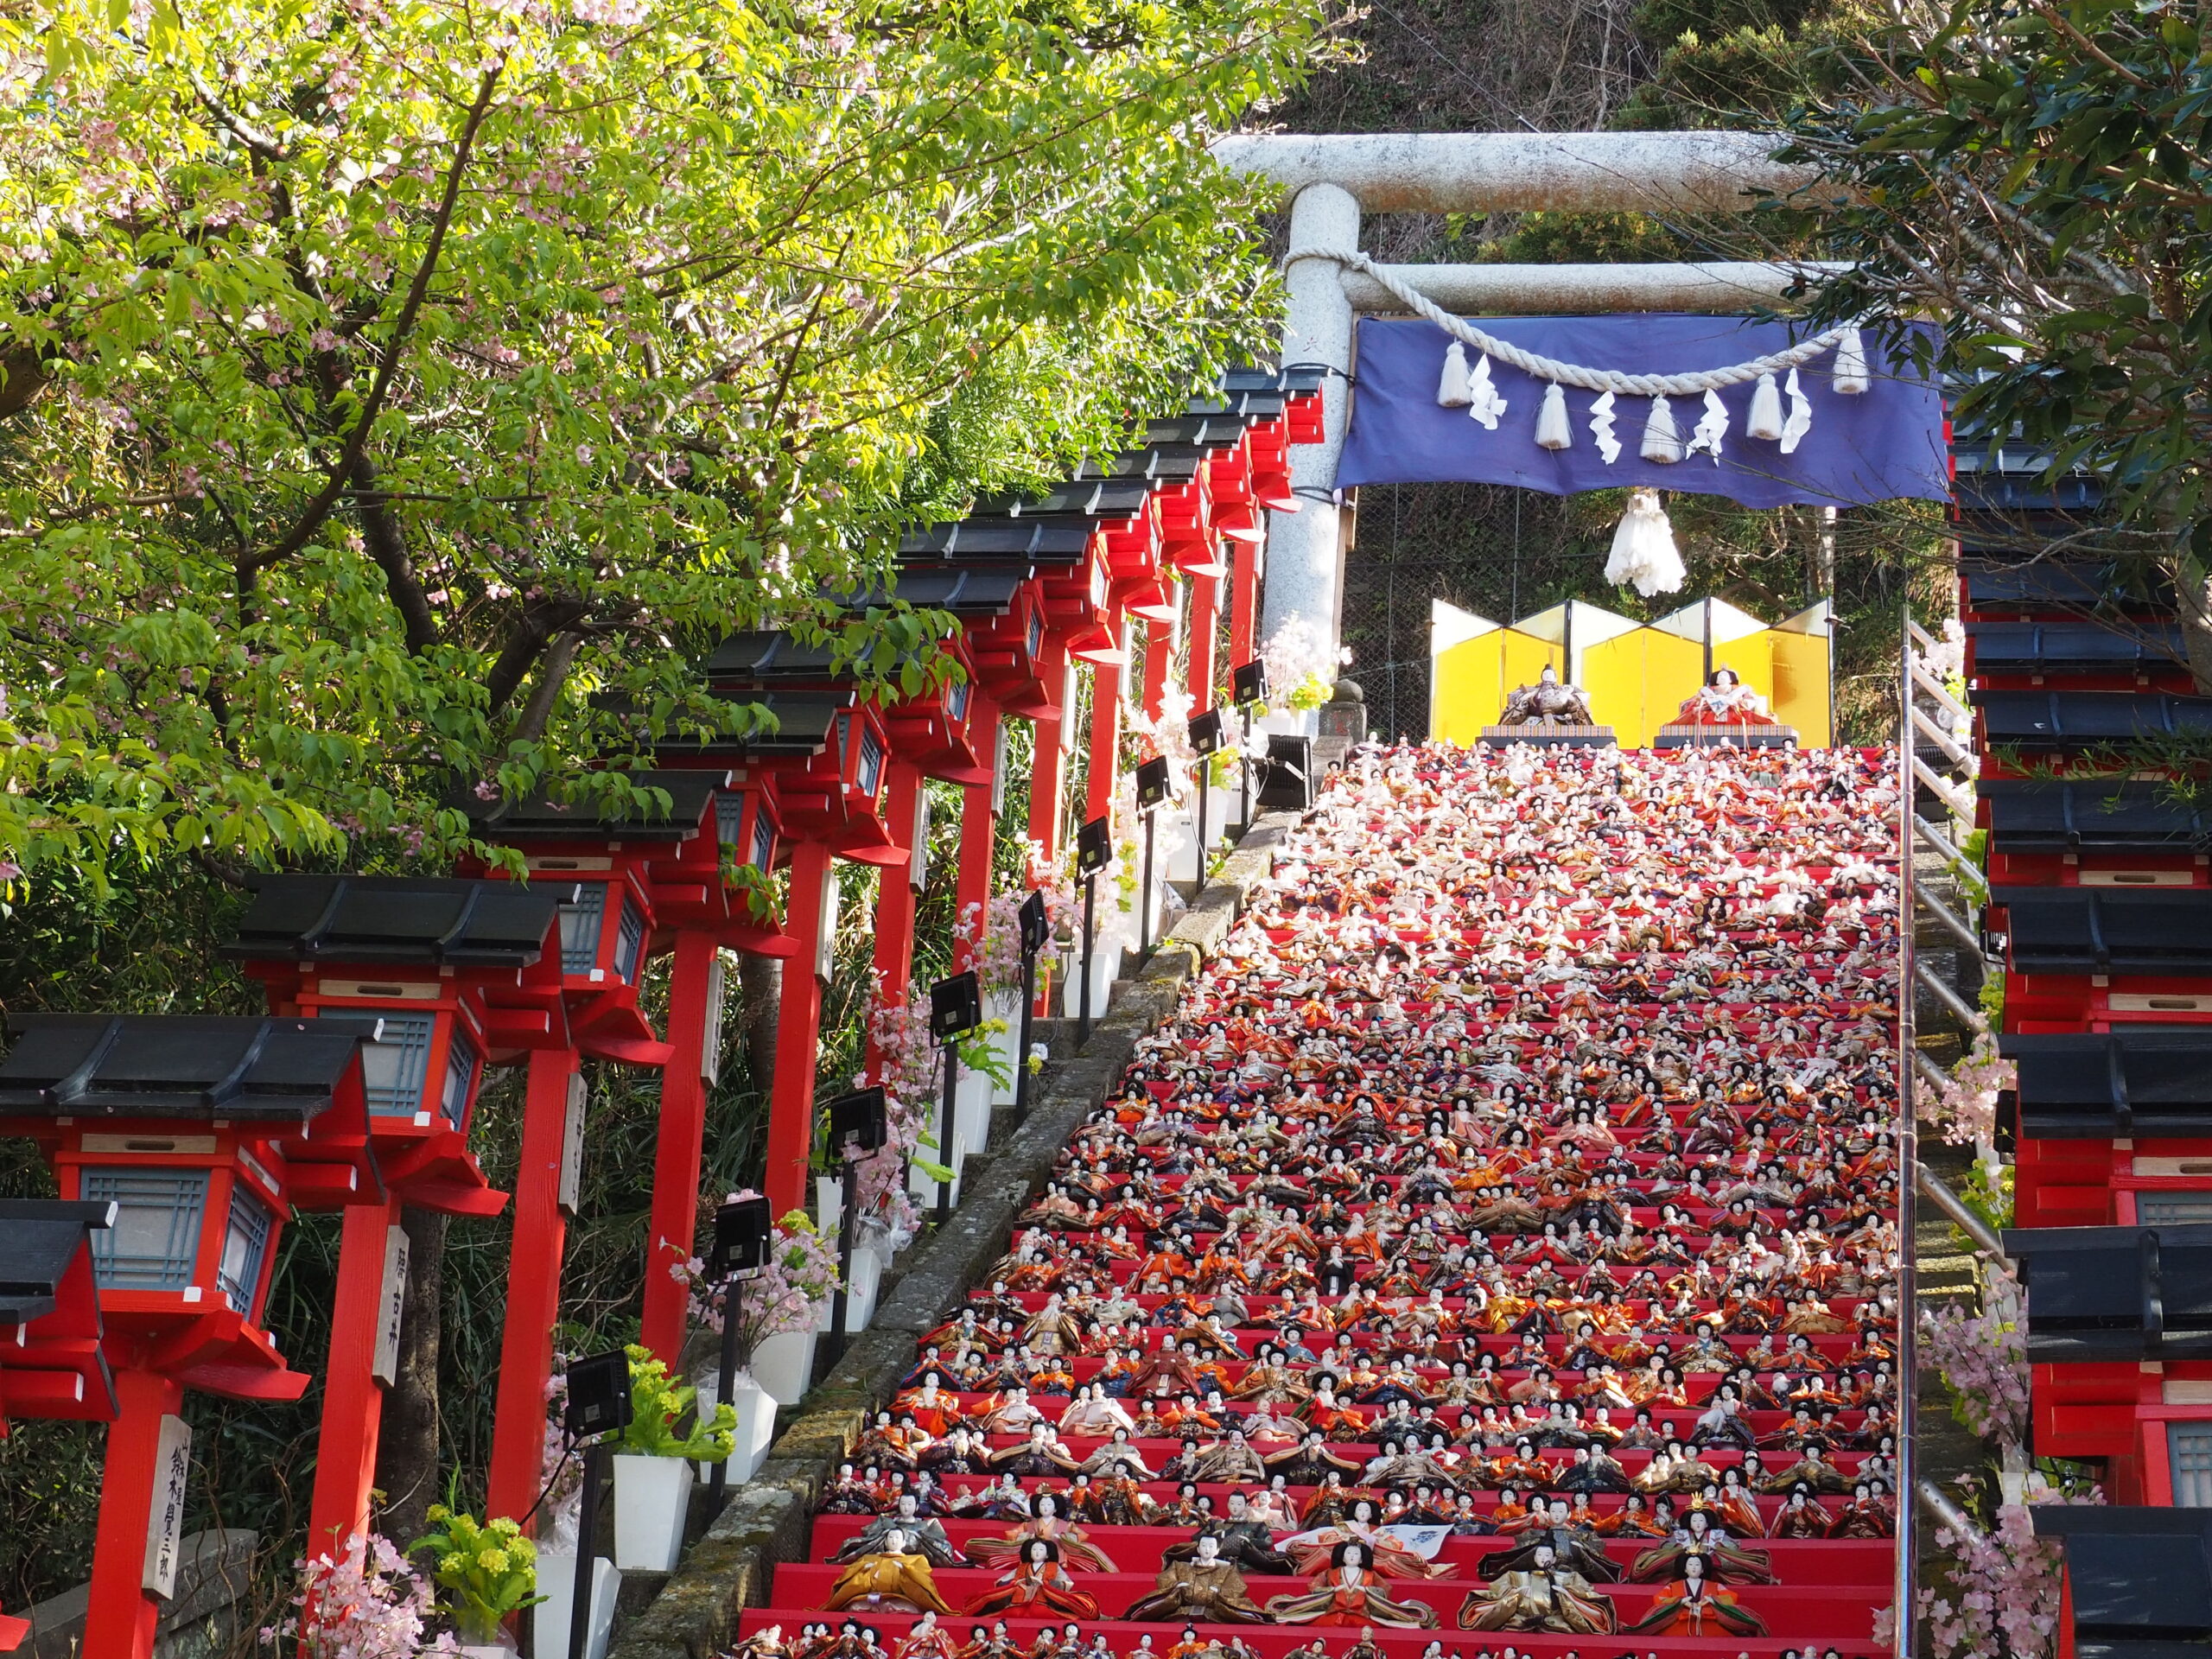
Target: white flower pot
[
  {"x": 650, "y": 1495},
  {"x": 557, "y": 1582},
  {"x": 487, "y": 1650},
  {"x": 1105, "y": 969},
  {"x": 784, "y": 1364},
  {"x": 829, "y": 1203},
  {"x": 1007, "y": 1006},
  {"x": 860, "y": 1295},
  {"x": 921, "y": 1186},
  {"x": 972, "y": 1110},
  {"x": 756, "y": 1426}
]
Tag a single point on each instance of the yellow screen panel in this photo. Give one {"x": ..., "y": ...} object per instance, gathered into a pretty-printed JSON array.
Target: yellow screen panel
[{"x": 1800, "y": 686}]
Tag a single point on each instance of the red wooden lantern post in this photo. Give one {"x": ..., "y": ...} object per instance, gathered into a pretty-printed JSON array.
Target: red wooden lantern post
[
  {"x": 459, "y": 975},
  {"x": 50, "y": 1360},
  {"x": 203, "y": 1132},
  {"x": 637, "y": 876}
]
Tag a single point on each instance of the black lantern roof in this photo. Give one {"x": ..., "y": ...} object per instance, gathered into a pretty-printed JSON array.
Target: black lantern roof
[
  {"x": 1294, "y": 378},
  {"x": 1211, "y": 432},
  {"x": 2107, "y": 931},
  {"x": 2116, "y": 1294},
  {"x": 964, "y": 593},
  {"x": 1161, "y": 465},
  {"x": 2088, "y": 1085},
  {"x": 1253, "y": 403},
  {"x": 2048, "y": 814},
  {"x": 540, "y": 817},
  {"x": 768, "y": 654},
  {"x": 1055, "y": 538},
  {"x": 1091, "y": 496},
  {"x": 803, "y": 722},
  {"x": 2077, "y": 720},
  {"x": 394, "y": 919},
  {"x": 2141, "y": 1580},
  {"x": 40, "y": 1240},
  {"x": 2075, "y": 647},
  {"x": 203, "y": 1066}
]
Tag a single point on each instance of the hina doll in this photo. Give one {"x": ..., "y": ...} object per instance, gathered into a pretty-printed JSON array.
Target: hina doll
[
  {"x": 1544, "y": 1596},
  {"x": 894, "y": 1579},
  {"x": 1693, "y": 1604},
  {"x": 1351, "y": 1593},
  {"x": 1038, "y": 1585},
  {"x": 1050, "y": 1524},
  {"x": 1204, "y": 1588}
]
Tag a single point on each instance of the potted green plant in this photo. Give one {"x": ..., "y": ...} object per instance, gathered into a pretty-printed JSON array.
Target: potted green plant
[
  {"x": 487, "y": 1572},
  {"x": 652, "y": 1464}
]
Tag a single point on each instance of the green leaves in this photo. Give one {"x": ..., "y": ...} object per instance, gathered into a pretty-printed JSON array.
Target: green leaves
[{"x": 724, "y": 299}]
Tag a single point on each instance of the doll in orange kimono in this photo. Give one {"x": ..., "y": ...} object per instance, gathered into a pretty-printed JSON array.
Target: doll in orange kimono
[
  {"x": 1351, "y": 1593},
  {"x": 1038, "y": 1587},
  {"x": 1694, "y": 1604}
]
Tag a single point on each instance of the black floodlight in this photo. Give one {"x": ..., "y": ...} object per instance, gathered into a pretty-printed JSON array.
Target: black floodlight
[
  {"x": 1247, "y": 683},
  {"x": 1094, "y": 846},
  {"x": 741, "y": 1240},
  {"x": 956, "y": 1007},
  {"x": 1036, "y": 926},
  {"x": 858, "y": 1123},
  {"x": 1209, "y": 733},
  {"x": 1155, "y": 784},
  {"x": 1288, "y": 782},
  {"x": 598, "y": 1394}
]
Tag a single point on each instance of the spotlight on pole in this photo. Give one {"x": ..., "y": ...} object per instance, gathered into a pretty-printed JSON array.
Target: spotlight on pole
[
  {"x": 1036, "y": 934},
  {"x": 956, "y": 1009},
  {"x": 1155, "y": 787},
  {"x": 598, "y": 1404},
  {"x": 1094, "y": 848},
  {"x": 738, "y": 1250},
  {"x": 1248, "y": 686},
  {"x": 1208, "y": 734},
  {"x": 859, "y": 1123}
]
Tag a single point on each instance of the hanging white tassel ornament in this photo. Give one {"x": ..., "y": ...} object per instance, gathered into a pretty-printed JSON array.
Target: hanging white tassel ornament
[
  {"x": 1851, "y": 363},
  {"x": 1484, "y": 403},
  {"x": 1451, "y": 391},
  {"x": 1766, "y": 411},
  {"x": 1662, "y": 444},
  {"x": 1644, "y": 554},
  {"x": 1552, "y": 431}
]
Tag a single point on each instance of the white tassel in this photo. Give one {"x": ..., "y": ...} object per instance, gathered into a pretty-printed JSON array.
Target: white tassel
[
  {"x": 1484, "y": 403},
  {"x": 1552, "y": 431},
  {"x": 1800, "y": 415},
  {"x": 1662, "y": 444},
  {"x": 1451, "y": 391},
  {"x": 1851, "y": 363},
  {"x": 1766, "y": 411},
  {"x": 1601, "y": 427},
  {"x": 1644, "y": 553}
]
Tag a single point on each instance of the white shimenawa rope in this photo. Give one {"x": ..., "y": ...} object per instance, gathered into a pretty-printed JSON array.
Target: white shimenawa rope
[{"x": 1577, "y": 374}]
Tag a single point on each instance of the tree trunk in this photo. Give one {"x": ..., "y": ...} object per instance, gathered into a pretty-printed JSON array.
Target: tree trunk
[
  {"x": 407, "y": 1449},
  {"x": 760, "y": 982}
]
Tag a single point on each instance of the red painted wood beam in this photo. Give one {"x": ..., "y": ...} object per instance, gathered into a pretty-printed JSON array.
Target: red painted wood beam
[
  {"x": 978, "y": 840},
  {"x": 1105, "y": 774},
  {"x": 119, "y": 1622},
  {"x": 533, "y": 1288},
  {"x": 799, "y": 1021},
  {"x": 352, "y": 1399},
  {"x": 682, "y": 1142}
]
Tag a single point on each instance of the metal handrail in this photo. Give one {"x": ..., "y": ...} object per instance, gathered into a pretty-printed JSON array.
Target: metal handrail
[
  {"x": 1929, "y": 685},
  {"x": 1962, "y": 806},
  {"x": 1953, "y": 750},
  {"x": 1938, "y": 1193},
  {"x": 1954, "y": 1004},
  {"x": 1943, "y": 913},
  {"x": 1909, "y": 768}
]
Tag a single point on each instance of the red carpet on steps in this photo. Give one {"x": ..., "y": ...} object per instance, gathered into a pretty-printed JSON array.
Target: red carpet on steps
[{"x": 1540, "y": 1102}]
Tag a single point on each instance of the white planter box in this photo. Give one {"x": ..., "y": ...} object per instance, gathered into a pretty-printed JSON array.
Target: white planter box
[
  {"x": 972, "y": 1110},
  {"x": 1105, "y": 969},
  {"x": 784, "y": 1364},
  {"x": 923, "y": 1186},
  {"x": 756, "y": 1426},
  {"x": 1007, "y": 1006},
  {"x": 650, "y": 1495},
  {"x": 828, "y": 1204},
  {"x": 557, "y": 1582},
  {"x": 487, "y": 1650},
  {"x": 860, "y": 1295}
]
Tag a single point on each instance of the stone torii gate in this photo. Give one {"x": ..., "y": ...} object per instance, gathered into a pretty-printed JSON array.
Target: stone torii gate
[{"x": 1330, "y": 181}]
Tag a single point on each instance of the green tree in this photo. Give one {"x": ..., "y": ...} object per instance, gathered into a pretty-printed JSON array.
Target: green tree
[
  {"x": 382, "y": 382},
  {"x": 2036, "y": 174}
]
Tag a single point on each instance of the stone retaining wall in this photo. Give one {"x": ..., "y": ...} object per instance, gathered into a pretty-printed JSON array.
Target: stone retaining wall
[{"x": 767, "y": 1520}]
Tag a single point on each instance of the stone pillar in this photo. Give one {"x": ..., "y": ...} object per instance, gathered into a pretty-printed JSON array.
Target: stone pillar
[{"x": 1305, "y": 575}]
